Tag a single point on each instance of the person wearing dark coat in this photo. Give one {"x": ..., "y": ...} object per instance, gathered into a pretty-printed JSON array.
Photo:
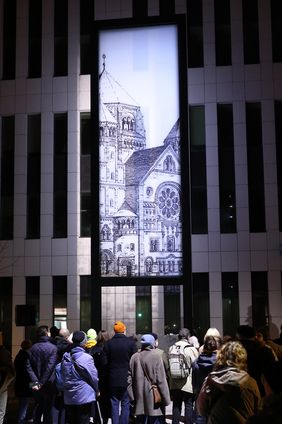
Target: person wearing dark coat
[
  {"x": 259, "y": 357},
  {"x": 22, "y": 387},
  {"x": 41, "y": 365},
  {"x": 119, "y": 350},
  {"x": 201, "y": 368}
]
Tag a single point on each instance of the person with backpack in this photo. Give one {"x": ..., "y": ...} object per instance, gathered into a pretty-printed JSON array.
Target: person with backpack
[{"x": 181, "y": 355}]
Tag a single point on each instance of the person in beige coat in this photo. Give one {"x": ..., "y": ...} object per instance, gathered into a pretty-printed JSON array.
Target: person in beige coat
[
  {"x": 146, "y": 368},
  {"x": 229, "y": 395}
]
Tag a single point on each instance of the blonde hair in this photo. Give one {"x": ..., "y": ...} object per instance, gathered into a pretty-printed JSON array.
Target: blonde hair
[{"x": 232, "y": 354}]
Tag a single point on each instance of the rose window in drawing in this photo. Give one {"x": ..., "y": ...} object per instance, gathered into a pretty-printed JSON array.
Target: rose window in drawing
[{"x": 169, "y": 202}]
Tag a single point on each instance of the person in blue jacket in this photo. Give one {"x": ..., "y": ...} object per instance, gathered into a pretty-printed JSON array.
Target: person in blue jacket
[
  {"x": 80, "y": 381},
  {"x": 201, "y": 368}
]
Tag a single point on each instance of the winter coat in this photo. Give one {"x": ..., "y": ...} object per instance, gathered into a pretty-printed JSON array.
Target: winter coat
[
  {"x": 41, "y": 362},
  {"x": 228, "y": 395},
  {"x": 79, "y": 375},
  {"x": 191, "y": 354},
  {"x": 139, "y": 388},
  {"x": 119, "y": 350},
  {"x": 201, "y": 368},
  {"x": 22, "y": 379}
]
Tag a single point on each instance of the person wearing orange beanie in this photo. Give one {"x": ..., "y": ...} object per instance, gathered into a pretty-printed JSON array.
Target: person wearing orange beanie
[{"x": 119, "y": 350}]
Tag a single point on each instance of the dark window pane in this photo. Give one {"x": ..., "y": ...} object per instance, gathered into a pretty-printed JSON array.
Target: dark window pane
[
  {"x": 250, "y": 31},
  {"x": 201, "y": 303},
  {"x": 230, "y": 303},
  {"x": 32, "y": 298},
  {"x": 7, "y": 178},
  {"x": 35, "y": 38},
  {"x": 172, "y": 309},
  {"x": 6, "y": 302},
  {"x": 86, "y": 19},
  {"x": 167, "y": 8},
  {"x": 226, "y": 167},
  {"x": 255, "y": 167},
  {"x": 278, "y": 128},
  {"x": 143, "y": 309},
  {"x": 85, "y": 302},
  {"x": 140, "y": 8},
  {"x": 276, "y": 27},
  {"x": 33, "y": 176},
  {"x": 60, "y": 175},
  {"x": 260, "y": 310},
  {"x": 222, "y": 32},
  {"x": 61, "y": 38},
  {"x": 9, "y": 39},
  {"x": 85, "y": 175},
  {"x": 198, "y": 170},
  {"x": 195, "y": 33}
]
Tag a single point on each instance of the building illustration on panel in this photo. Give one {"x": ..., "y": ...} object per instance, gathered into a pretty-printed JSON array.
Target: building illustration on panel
[{"x": 140, "y": 215}]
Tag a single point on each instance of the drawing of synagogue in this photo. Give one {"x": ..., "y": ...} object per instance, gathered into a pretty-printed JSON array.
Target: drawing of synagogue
[{"x": 140, "y": 214}]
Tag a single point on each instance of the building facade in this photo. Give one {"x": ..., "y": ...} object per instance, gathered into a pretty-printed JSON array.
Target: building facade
[{"x": 234, "y": 69}]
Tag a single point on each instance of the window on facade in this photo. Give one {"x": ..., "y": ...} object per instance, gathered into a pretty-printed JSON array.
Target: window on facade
[
  {"x": 7, "y": 178},
  {"x": 60, "y": 301},
  {"x": 260, "y": 308},
  {"x": 60, "y": 38},
  {"x": 143, "y": 309},
  {"x": 276, "y": 28},
  {"x": 172, "y": 309},
  {"x": 167, "y": 8},
  {"x": 201, "y": 303},
  {"x": 198, "y": 170},
  {"x": 227, "y": 196},
  {"x": 32, "y": 297},
  {"x": 33, "y": 177},
  {"x": 60, "y": 176},
  {"x": 230, "y": 302},
  {"x": 85, "y": 175},
  {"x": 86, "y": 19},
  {"x": 278, "y": 129},
  {"x": 9, "y": 39},
  {"x": 35, "y": 39},
  {"x": 85, "y": 301},
  {"x": 6, "y": 303},
  {"x": 255, "y": 167},
  {"x": 195, "y": 33},
  {"x": 140, "y": 8},
  {"x": 222, "y": 32},
  {"x": 250, "y": 31}
]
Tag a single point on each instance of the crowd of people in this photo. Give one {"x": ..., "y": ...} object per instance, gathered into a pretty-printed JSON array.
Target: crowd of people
[{"x": 85, "y": 377}]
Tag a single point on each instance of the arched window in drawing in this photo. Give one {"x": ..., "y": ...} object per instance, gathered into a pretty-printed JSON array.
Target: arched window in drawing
[
  {"x": 149, "y": 265},
  {"x": 106, "y": 233},
  {"x": 169, "y": 164},
  {"x": 170, "y": 244}
]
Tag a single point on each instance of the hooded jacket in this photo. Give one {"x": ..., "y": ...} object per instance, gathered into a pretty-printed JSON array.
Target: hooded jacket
[
  {"x": 79, "y": 375},
  {"x": 228, "y": 395}
]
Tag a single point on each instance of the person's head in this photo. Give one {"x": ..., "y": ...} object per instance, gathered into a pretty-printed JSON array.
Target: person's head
[
  {"x": 42, "y": 331},
  {"x": 210, "y": 344},
  {"x": 184, "y": 333},
  {"x": 156, "y": 339},
  {"x": 147, "y": 340},
  {"x": 26, "y": 344},
  {"x": 79, "y": 338},
  {"x": 54, "y": 331},
  {"x": 91, "y": 334},
  {"x": 103, "y": 336},
  {"x": 272, "y": 378},
  {"x": 262, "y": 334},
  {"x": 232, "y": 354},
  {"x": 119, "y": 327},
  {"x": 245, "y": 332},
  {"x": 65, "y": 333},
  {"x": 212, "y": 331}
]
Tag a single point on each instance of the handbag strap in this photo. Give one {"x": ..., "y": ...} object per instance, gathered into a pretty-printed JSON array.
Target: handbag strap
[{"x": 145, "y": 371}]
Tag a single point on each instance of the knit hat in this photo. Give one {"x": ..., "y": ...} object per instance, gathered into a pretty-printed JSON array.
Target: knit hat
[
  {"x": 148, "y": 339},
  {"x": 79, "y": 338},
  {"x": 119, "y": 327},
  {"x": 91, "y": 334}
]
